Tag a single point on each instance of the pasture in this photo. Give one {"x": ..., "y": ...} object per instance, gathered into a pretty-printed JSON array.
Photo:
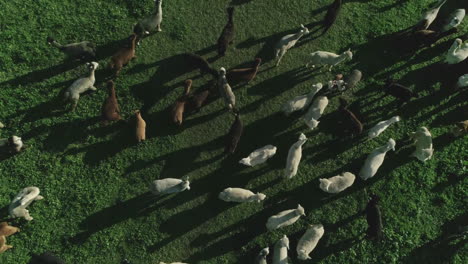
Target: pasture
[{"x": 97, "y": 207}]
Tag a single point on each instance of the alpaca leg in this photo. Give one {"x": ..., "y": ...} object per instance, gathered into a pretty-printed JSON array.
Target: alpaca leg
[{"x": 158, "y": 29}]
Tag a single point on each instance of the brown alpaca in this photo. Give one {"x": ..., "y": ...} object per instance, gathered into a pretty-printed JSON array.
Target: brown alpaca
[
  {"x": 244, "y": 74},
  {"x": 3, "y": 244},
  {"x": 110, "y": 108},
  {"x": 7, "y": 230},
  {"x": 123, "y": 56},
  {"x": 140, "y": 127},
  {"x": 177, "y": 113},
  {"x": 350, "y": 118}
]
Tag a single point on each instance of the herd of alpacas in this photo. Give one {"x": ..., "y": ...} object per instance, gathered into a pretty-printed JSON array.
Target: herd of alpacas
[{"x": 312, "y": 104}]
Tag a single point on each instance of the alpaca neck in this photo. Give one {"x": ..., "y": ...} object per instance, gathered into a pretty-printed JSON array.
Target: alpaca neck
[
  {"x": 57, "y": 45},
  {"x": 187, "y": 89},
  {"x": 91, "y": 75}
]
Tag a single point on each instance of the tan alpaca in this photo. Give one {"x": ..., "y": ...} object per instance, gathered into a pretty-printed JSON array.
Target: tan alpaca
[
  {"x": 140, "y": 127},
  {"x": 7, "y": 230},
  {"x": 3, "y": 246}
]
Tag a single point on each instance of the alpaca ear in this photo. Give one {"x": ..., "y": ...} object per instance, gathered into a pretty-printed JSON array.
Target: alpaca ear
[{"x": 302, "y": 26}]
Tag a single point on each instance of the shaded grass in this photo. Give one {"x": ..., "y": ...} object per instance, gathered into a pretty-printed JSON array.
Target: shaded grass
[{"x": 95, "y": 179}]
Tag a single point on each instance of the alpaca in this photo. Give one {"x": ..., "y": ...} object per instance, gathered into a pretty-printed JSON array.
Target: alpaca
[
  {"x": 285, "y": 218},
  {"x": 262, "y": 256},
  {"x": 280, "y": 253},
  {"x": 429, "y": 16},
  {"x": 376, "y": 159},
  {"x": 315, "y": 112},
  {"x": 8, "y": 230},
  {"x": 309, "y": 241},
  {"x": 150, "y": 23},
  {"x": 454, "y": 19},
  {"x": 287, "y": 42},
  {"x": 3, "y": 244},
  {"x": 240, "y": 195},
  {"x": 169, "y": 185},
  {"x": 123, "y": 56},
  {"x": 462, "y": 81},
  {"x": 458, "y": 52},
  {"x": 234, "y": 135},
  {"x": 12, "y": 145},
  {"x": 225, "y": 90},
  {"x": 423, "y": 143},
  {"x": 72, "y": 94},
  {"x": 380, "y": 127},
  {"x": 294, "y": 157},
  {"x": 331, "y": 15},
  {"x": 351, "y": 121},
  {"x": 302, "y": 101},
  {"x": 244, "y": 74},
  {"x": 337, "y": 183},
  {"x": 353, "y": 79},
  {"x": 399, "y": 91},
  {"x": 374, "y": 219},
  {"x": 259, "y": 156},
  {"x": 179, "y": 105},
  {"x": 110, "y": 110},
  {"x": 84, "y": 50},
  {"x": 460, "y": 128},
  {"x": 227, "y": 36},
  {"x": 196, "y": 61},
  {"x": 140, "y": 127},
  {"x": 22, "y": 200},
  {"x": 328, "y": 58}
]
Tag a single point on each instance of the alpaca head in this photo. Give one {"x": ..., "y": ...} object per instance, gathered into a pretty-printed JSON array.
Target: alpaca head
[
  {"x": 391, "y": 144},
  {"x": 318, "y": 86},
  {"x": 348, "y": 54},
  {"x": 264, "y": 252},
  {"x": 50, "y": 40},
  {"x": 300, "y": 210},
  {"x": 222, "y": 71},
  {"x": 92, "y": 65},
  {"x": 186, "y": 184},
  {"x": 260, "y": 197},
  {"x": 304, "y": 30},
  {"x": 312, "y": 123},
  {"x": 284, "y": 241},
  {"x": 324, "y": 184},
  {"x": 302, "y": 255}
]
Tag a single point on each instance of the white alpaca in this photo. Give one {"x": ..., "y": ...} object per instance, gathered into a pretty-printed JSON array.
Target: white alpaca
[
  {"x": 225, "y": 89},
  {"x": 423, "y": 142},
  {"x": 462, "y": 81},
  {"x": 285, "y": 218},
  {"x": 259, "y": 156},
  {"x": 375, "y": 160},
  {"x": 328, "y": 58},
  {"x": 337, "y": 183},
  {"x": 262, "y": 256},
  {"x": 308, "y": 241},
  {"x": 72, "y": 94},
  {"x": 430, "y": 15},
  {"x": 280, "y": 254},
  {"x": 288, "y": 42},
  {"x": 457, "y": 53},
  {"x": 315, "y": 112},
  {"x": 240, "y": 195},
  {"x": 169, "y": 185},
  {"x": 22, "y": 200},
  {"x": 302, "y": 101},
  {"x": 294, "y": 157},
  {"x": 381, "y": 126},
  {"x": 454, "y": 19}
]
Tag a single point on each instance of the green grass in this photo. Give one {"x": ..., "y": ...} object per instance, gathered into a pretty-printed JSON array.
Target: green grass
[{"x": 95, "y": 179}]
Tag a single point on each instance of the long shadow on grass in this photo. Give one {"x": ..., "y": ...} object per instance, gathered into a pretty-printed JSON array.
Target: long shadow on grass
[
  {"x": 138, "y": 206},
  {"x": 443, "y": 248}
]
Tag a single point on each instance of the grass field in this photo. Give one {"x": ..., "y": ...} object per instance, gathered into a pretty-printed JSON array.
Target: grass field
[{"x": 97, "y": 208}]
